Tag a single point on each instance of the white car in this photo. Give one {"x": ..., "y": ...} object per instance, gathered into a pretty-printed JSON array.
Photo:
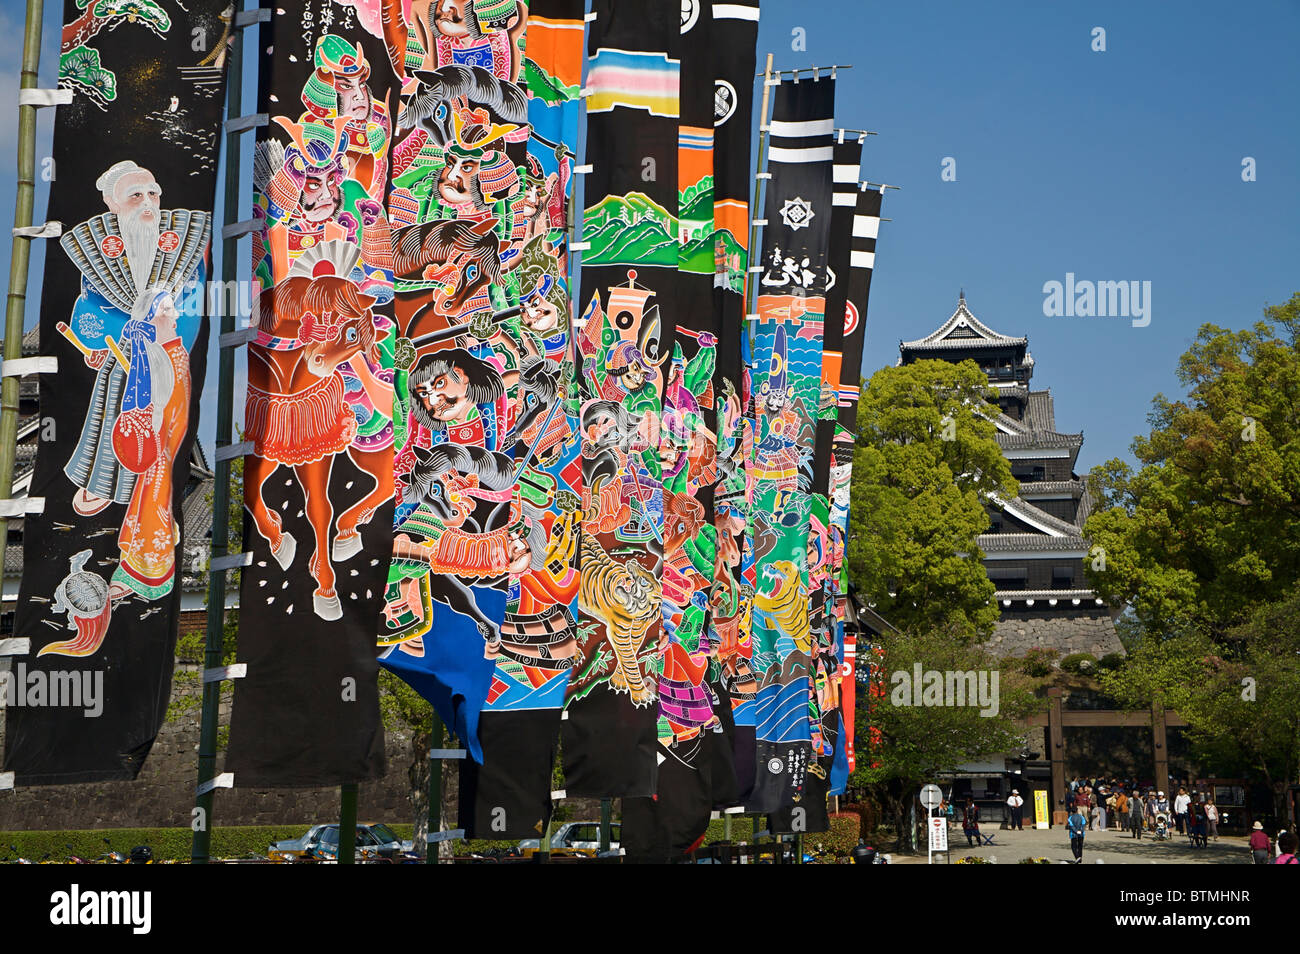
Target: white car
[{"x": 582, "y": 837}]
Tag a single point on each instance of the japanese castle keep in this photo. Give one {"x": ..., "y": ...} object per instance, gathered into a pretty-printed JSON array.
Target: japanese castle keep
[{"x": 1034, "y": 549}]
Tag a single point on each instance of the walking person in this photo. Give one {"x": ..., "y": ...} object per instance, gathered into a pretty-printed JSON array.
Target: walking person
[
  {"x": 1016, "y": 804},
  {"x": 1260, "y": 847},
  {"x": 1136, "y": 816},
  {"x": 970, "y": 822},
  {"x": 1182, "y": 801},
  {"x": 1121, "y": 809},
  {"x": 1103, "y": 803},
  {"x": 1076, "y": 824},
  {"x": 1212, "y": 818}
]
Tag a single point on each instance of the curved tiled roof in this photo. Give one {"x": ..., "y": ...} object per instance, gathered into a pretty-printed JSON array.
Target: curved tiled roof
[
  {"x": 962, "y": 330},
  {"x": 1002, "y": 542}
]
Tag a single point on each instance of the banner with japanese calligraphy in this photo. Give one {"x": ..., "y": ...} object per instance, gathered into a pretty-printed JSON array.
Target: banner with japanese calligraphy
[
  {"x": 631, "y": 238},
  {"x": 787, "y": 381},
  {"x": 508, "y": 795},
  {"x": 825, "y": 544},
  {"x": 319, "y": 412},
  {"x": 124, "y": 312}
]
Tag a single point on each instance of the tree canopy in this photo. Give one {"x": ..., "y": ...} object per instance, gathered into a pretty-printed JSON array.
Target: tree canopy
[
  {"x": 926, "y": 459},
  {"x": 1209, "y": 527}
]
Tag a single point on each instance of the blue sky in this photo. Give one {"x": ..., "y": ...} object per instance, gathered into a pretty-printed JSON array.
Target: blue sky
[{"x": 1115, "y": 165}]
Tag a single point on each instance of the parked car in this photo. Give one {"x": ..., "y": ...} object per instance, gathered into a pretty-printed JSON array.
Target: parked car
[
  {"x": 575, "y": 838},
  {"x": 321, "y": 843}
]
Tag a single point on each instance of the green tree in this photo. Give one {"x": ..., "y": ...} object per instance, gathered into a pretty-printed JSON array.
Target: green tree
[
  {"x": 1209, "y": 527},
  {"x": 915, "y": 742},
  {"x": 1238, "y": 694},
  {"x": 926, "y": 461}
]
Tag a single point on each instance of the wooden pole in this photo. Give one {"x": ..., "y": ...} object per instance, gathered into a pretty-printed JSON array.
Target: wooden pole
[
  {"x": 16, "y": 306},
  {"x": 1160, "y": 749},
  {"x": 1056, "y": 742}
]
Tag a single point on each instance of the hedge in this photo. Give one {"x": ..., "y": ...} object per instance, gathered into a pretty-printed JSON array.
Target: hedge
[{"x": 168, "y": 844}]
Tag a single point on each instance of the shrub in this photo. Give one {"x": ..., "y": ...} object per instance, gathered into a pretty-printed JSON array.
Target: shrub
[
  {"x": 846, "y": 829},
  {"x": 1038, "y": 662},
  {"x": 1079, "y": 663},
  {"x": 1111, "y": 661}
]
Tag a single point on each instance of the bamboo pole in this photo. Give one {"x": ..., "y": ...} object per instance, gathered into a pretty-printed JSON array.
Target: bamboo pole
[
  {"x": 16, "y": 306},
  {"x": 216, "y": 619},
  {"x": 755, "y": 211}
]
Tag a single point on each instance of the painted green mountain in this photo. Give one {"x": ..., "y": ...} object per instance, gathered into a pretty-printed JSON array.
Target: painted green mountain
[
  {"x": 629, "y": 208},
  {"x": 629, "y": 230},
  {"x": 697, "y": 256},
  {"x": 697, "y": 208},
  {"x": 645, "y": 243},
  {"x": 695, "y": 193}
]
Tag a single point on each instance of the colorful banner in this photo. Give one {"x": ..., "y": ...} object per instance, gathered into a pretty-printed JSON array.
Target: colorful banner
[
  {"x": 509, "y": 794},
  {"x": 123, "y": 311},
  {"x": 630, "y": 233},
  {"x": 687, "y": 670},
  {"x": 825, "y": 544},
  {"x": 734, "y": 34},
  {"x": 318, "y": 484},
  {"x": 787, "y": 377},
  {"x": 460, "y": 213}
]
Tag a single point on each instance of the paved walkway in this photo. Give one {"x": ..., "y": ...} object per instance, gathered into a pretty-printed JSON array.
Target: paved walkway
[{"x": 1109, "y": 847}]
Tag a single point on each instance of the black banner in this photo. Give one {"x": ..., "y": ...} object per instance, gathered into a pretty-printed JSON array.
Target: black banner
[
  {"x": 734, "y": 34},
  {"x": 630, "y": 228},
  {"x": 862, "y": 261},
  {"x": 688, "y": 671},
  {"x": 123, "y": 311},
  {"x": 318, "y": 484}
]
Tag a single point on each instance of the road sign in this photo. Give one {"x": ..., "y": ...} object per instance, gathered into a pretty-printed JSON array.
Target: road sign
[
  {"x": 931, "y": 796},
  {"x": 938, "y": 833}
]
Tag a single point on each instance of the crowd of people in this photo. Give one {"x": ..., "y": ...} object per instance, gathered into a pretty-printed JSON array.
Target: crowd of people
[{"x": 1131, "y": 807}]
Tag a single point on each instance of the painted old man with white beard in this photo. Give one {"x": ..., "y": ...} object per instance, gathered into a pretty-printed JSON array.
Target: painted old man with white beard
[{"x": 126, "y": 256}]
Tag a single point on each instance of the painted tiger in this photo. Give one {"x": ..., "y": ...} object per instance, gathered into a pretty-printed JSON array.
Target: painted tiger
[
  {"x": 625, "y": 597},
  {"x": 784, "y": 608}
]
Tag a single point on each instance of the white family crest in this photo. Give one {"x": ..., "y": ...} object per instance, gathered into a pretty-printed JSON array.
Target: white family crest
[{"x": 797, "y": 213}]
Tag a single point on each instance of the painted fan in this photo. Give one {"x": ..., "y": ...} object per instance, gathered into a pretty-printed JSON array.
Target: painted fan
[{"x": 97, "y": 249}]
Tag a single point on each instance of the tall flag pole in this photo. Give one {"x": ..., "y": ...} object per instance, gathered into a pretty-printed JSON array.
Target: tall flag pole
[
  {"x": 508, "y": 795},
  {"x": 862, "y": 261},
  {"x": 787, "y": 363},
  {"x": 318, "y": 479},
  {"x": 123, "y": 314},
  {"x": 630, "y": 232}
]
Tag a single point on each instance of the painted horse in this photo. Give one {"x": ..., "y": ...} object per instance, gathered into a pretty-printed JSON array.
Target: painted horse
[{"x": 297, "y": 416}]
